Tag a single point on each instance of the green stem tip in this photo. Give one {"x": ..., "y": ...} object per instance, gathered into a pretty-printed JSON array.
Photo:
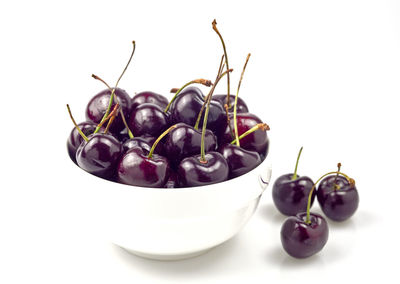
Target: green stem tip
[
  {"x": 294, "y": 177},
  {"x": 153, "y": 147},
  {"x": 76, "y": 125}
]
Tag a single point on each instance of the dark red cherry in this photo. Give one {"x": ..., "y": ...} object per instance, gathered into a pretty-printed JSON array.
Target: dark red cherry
[
  {"x": 337, "y": 197},
  {"x": 291, "y": 196},
  {"x": 99, "y": 155},
  {"x": 143, "y": 142},
  {"x": 186, "y": 108},
  {"x": 240, "y": 161},
  {"x": 241, "y": 105},
  {"x": 75, "y": 139},
  {"x": 185, "y": 141},
  {"x": 301, "y": 239},
  {"x": 135, "y": 168},
  {"x": 193, "y": 172},
  {"x": 148, "y": 119},
  {"x": 257, "y": 141},
  {"x": 149, "y": 97},
  {"x": 98, "y": 105}
]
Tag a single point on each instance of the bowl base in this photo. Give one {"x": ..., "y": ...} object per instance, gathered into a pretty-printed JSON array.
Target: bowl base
[{"x": 167, "y": 257}]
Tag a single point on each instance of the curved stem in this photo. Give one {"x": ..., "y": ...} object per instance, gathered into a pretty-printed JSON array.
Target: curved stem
[
  {"x": 116, "y": 85},
  {"x": 153, "y": 147},
  {"x": 260, "y": 126},
  {"x": 197, "y": 81},
  {"x": 76, "y": 125},
  {"x": 236, "y": 99},
  {"x": 350, "y": 180},
  {"x": 335, "y": 185},
  {"x": 214, "y": 26},
  {"x": 120, "y": 110},
  {"x": 297, "y": 163}
]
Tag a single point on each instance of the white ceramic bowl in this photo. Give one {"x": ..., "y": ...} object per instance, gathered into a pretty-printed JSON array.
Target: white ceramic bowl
[{"x": 170, "y": 224}]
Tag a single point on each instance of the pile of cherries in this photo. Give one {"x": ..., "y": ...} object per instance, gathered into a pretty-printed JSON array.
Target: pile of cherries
[
  {"x": 149, "y": 141},
  {"x": 304, "y": 233}
]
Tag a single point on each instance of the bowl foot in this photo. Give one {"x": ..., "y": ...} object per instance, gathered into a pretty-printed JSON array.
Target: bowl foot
[{"x": 167, "y": 257}]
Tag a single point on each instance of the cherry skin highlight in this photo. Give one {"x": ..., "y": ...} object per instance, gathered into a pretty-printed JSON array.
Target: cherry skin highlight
[
  {"x": 337, "y": 198},
  {"x": 148, "y": 97},
  {"x": 135, "y": 168},
  {"x": 257, "y": 141},
  {"x": 193, "y": 172},
  {"x": 241, "y": 105},
  {"x": 185, "y": 141},
  {"x": 291, "y": 196},
  {"x": 97, "y": 106},
  {"x": 240, "y": 160},
  {"x": 186, "y": 108},
  {"x": 301, "y": 240},
  {"x": 75, "y": 139},
  {"x": 148, "y": 119},
  {"x": 100, "y": 155}
]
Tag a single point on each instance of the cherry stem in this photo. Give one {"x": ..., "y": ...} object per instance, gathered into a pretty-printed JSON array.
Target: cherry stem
[
  {"x": 259, "y": 126},
  {"x": 120, "y": 110},
  {"x": 116, "y": 85},
  {"x": 228, "y": 120},
  {"x": 294, "y": 177},
  {"x": 153, "y": 147},
  {"x": 236, "y": 99},
  {"x": 214, "y": 26},
  {"x": 112, "y": 113},
  {"x": 349, "y": 179},
  {"x": 173, "y": 90},
  {"x": 221, "y": 64},
  {"x": 339, "y": 165},
  {"x": 76, "y": 125},
  {"x": 197, "y": 81}
]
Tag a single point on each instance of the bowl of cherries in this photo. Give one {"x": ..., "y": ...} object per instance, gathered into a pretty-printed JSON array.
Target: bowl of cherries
[{"x": 175, "y": 177}]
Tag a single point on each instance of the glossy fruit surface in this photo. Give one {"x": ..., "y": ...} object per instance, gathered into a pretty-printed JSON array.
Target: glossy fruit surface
[
  {"x": 185, "y": 141},
  {"x": 337, "y": 198},
  {"x": 75, "y": 139},
  {"x": 98, "y": 105},
  {"x": 100, "y": 155},
  {"x": 240, "y": 160},
  {"x": 302, "y": 240},
  {"x": 291, "y": 196},
  {"x": 149, "y": 97},
  {"x": 186, "y": 108},
  {"x": 135, "y": 168},
  {"x": 257, "y": 141},
  {"x": 241, "y": 105},
  {"x": 148, "y": 119},
  {"x": 192, "y": 172},
  {"x": 143, "y": 142}
]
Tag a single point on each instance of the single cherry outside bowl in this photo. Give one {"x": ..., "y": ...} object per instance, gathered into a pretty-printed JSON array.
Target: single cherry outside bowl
[{"x": 173, "y": 223}]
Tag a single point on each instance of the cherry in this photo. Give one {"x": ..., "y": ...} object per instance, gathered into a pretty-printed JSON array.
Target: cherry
[
  {"x": 148, "y": 119},
  {"x": 337, "y": 197},
  {"x": 98, "y": 105},
  {"x": 290, "y": 192},
  {"x": 141, "y": 169},
  {"x": 302, "y": 239},
  {"x": 99, "y": 155},
  {"x": 257, "y": 141},
  {"x": 240, "y": 160},
  {"x": 185, "y": 141},
  {"x": 241, "y": 105},
  {"x": 148, "y": 97},
  {"x": 75, "y": 139},
  {"x": 188, "y": 104}
]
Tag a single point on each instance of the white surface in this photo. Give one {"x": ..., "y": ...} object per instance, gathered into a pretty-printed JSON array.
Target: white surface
[{"x": 323, "y": 74}]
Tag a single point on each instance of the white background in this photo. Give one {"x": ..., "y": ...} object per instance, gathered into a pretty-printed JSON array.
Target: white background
[{"x": 323, "y": 75}]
